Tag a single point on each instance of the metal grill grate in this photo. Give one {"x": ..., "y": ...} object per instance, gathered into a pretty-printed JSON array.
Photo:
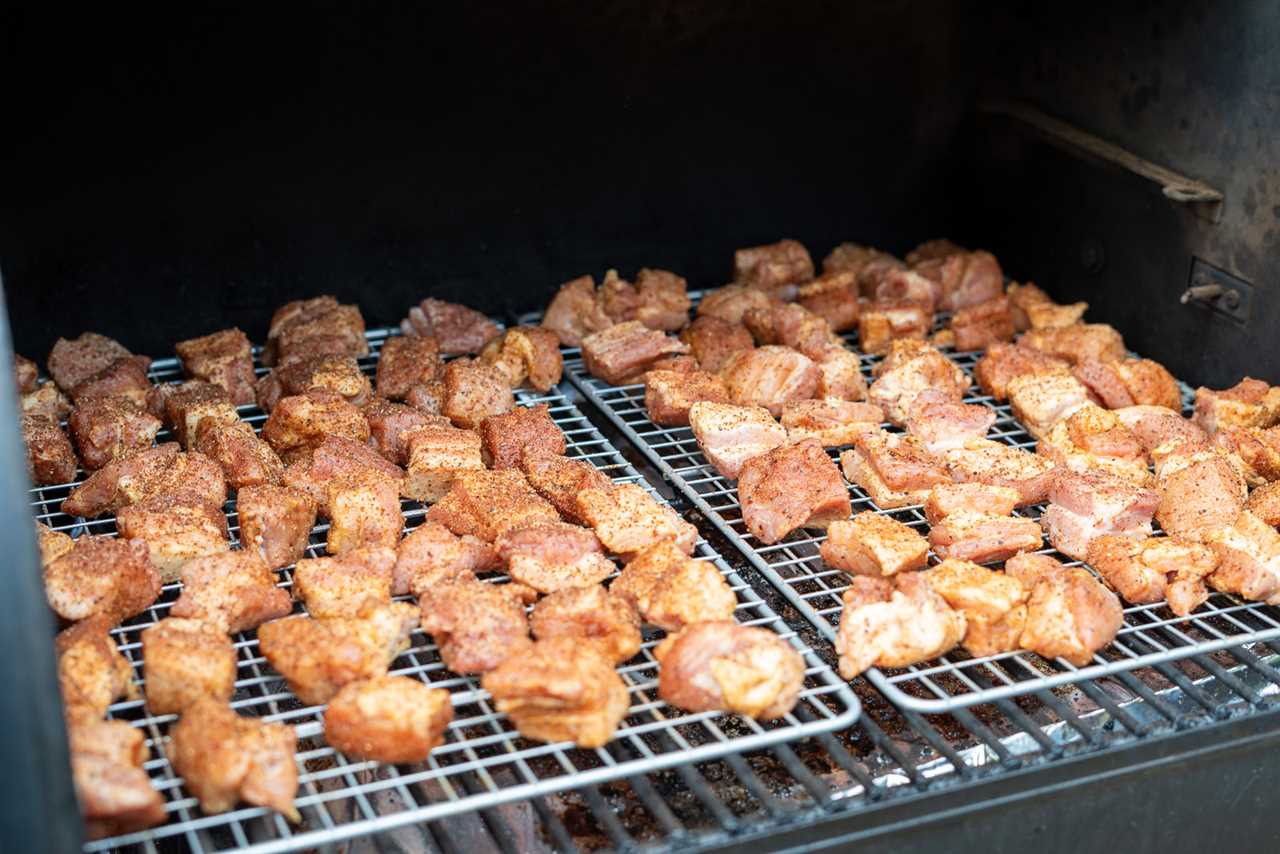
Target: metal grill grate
[
  {"x": 1151, "y": 635},
  {"x": 484, "y": 762}
]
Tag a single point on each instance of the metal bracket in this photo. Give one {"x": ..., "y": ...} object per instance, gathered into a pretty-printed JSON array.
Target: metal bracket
[
  {"x": 1219, "y": 292},
  {"x": 1205, "y": 201}
]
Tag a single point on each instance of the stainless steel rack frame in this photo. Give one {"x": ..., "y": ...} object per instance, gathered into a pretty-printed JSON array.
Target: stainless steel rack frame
[
  {"x": 484, "y": 762},
  {"x": 1152, "y": 635}
]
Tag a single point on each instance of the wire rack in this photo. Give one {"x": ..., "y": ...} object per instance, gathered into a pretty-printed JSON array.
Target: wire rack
[
  {"x": 1151, "y": 635},
  {"x": 484, "y": 762}
]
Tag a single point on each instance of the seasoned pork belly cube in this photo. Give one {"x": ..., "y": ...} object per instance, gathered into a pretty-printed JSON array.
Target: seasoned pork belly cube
[
  {"x": 552, "y": 556},
  {"x": 244, "y": 458},
  {"x": 71, "y": 362},
  {"x": 436, "y": 454},
  {"x": 1070, "y": 615},
  {"x": 225, "y": 758},
  {"x": 1248, "y": 559},
  {"x": 1086, "y": 505},
  {"x": 125, "y": 377},
  {"x": 342, "y": 586},
  {"x": 192, "y": 403},
  {"x": 388, "y": 719},
  {"x": 559, "y": 480},
  {"x": 224, "y": 358},
  {"x": 729, "y": 435},
  {"x": 592, "y": 616},
  {"x": 831, "y": 422},
  {"x": 299, "y": 325},
  {"x": 575, "y": 312},
  {"x": 871, "y": 544},
  {"x": 458, "y": 329},
  {"x": 102, "y": 575},
  {"x": 92, "y": 672},
  {"x": 910, "y": 369},
  {"x": 431, "y": 552},
  {"x": 721, "y": 665},
  {"x": 1030, "y": 567},
  {"x": 791, "y": 487},
  {"x": 1249, "y": 403},
  {"x": 771, "y": 377},
  {"x": 231, "y": 592},
  {"x": 524, "y": 431},
  {"x": 185, "y": 660},
  {"x": 993, "y": 604},
  {"x": 120, "y": 482},
  {"x": 52, "y": 544},
  {"x": 526, "y": 354},
  {"x": 1077, "y": 342},
  {"x": 364, "y": 513},
  {"x": 668, "y": 395},
  {"x": 895, "y": 470},
  {"x": 658, "y": 299},
  {"x": 732, "y": 302},
  {"x": 109, "y": 428},
  {"x": 335, "y": 459},
  {"x": 1158, "y": 428},
  {"x": 406, "y": 361},
  {"x": 1094, "y": 438},
  {"x": 473, "y": 392},
  {"x": 1002, "y": 362},
  {"x": 1200, "y": 488},
  {"x": 983, "y": 537},
  {"x": 318, "y": 657},
  {"x": 840, "y": 376},
  {"x": 476, "y": 625},
  {"x": 114, "y": 792},
  {"x": 487, "y": 504},
  {"x": 833, "y": 296},
  {"x": 628, "y": 519},
  {"x": 338, "y": 374},
  {"x": 979, "y": 326},
  {"x": 1258, "y": 451},
  {"x": 944, "y": 425},
  {"x": 898, "y": 287},
  {"x": 302, "y": 422},
  {"x": 48, "y": 401},
  {"x": 1040, "y": 400},
  {"x": 712, "y": 340},
  {"x": 175, "y": 528},
  {"x": 1129, "y": 382},
  {"x": 50, "y": 457},
  {"x": 883, "y": 322},
  {"x": 998, "y": 464},
  {"x": 792, "y": 325},
  {"x": 275, "y": 522},
  {"x": 964, "y": 278},
  {"x": 623, "y": 352},
  {"x": 1033, "y": 309},
  {"x": 868, "y": 264},
  {"x": 948, "y": 498},
  {"x": 894, "y": 622},
  {"x": 671, "y": 590},
  {"x": 390, "y": 425},
  {"x": 26, "y": 375},
  {"x": 560, "y": 691},
  {"x": 1264, "y": 502},
  {"x": 427, "y": 397},
  {"x": 776, "y": 268},
  {"x": 1148, "y": 571}
]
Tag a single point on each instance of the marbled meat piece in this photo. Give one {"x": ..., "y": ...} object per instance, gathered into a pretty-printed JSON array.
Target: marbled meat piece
[
  {"x": 869, "y": 265},
  {"x": 102, "y": 575},
  {"x": 244, "y": 458},
  {"x": 720, "y": 665},
  {"x": 712, "y": 340},
  {"x": 301, "y": 422},
  {"x": 1033, "y": 309},
  {"x": 627, "y": 519},
  {"x": 834, "y": 297},
  {"x": 113, "y": 790},
  {"x": 559, "y": 480},
  {"x": 1147, "y": 571},
  {"x": 364, "y": 513},
  {"x": 894, "y": 469},
  {"x": 575, "y": 312},
  {"x": 338, "y": 374},
  {"x": 872, "y": 544},
  {"x": 345, "y": 585},
  {"x": 50, "y": 457},
  {"x": 776, "y": 268},
  {"x": 732, "y": 302},
  {"x": 432, "y": 553},
  {"x": 473, "y": 392},
  {"x": 948, "y": 498},
  {"x": 551, "y": 556},
  {"x": 944, "y": 425},
  {"x": 790, "y": 487},
  {"x": 658, "y": 299},
  {"x": 770, "y": 376},
  {"x": 52, "y": 544},
  {"x": 1002, "y": 362},
  {"x": 907, "y": 286},
  {"x": 125, "y": 377},
  {"x": 1264, "y": 502},
  {"x": 405, "y": 361},
  {"x": 910, "y": 369},
  {"x": 1094, "y": 438},
  {"x": 672, "y": 590},
  {"x": 185, "y": 660},
  {"x": 1248, "y": 559},
  {"x": 487, "y": 504},
  {"x": 1070, "y": 615},
  {"x": 73, "y": 361},
  {"x": 831, "y": 422},
  {"x": 92, "y": 671},
  {"x": 623, "y": 352},
  {"x": 305, "y": 327},
  {"x": 224, "y": 358},
  {"x": 1086, "y": 505},
  {"x": 175, "y": 528},
  {"x": 998, "y": 464},
  {"x": 524, "y": 431},
  {"x": 1249, "y": 403},
  {"x": 592, "y": 616},
  {"x": 894, "y": 622},
  {"x": 26, "y": 375},
  {"x": 1256, "y": 450},
  {"x": 275, "y": 522},
  {"x": 1077, "y": 342},
  {"x": 993, "y": 604},
  {"x": 1157, "y": 428},
  {"x": 526, "y": 355},
  {"x": 1040, "y": 400},
  {"x": 191, "y": 404},
  {"x": 47, "y": 400},
  {"x": 436, "y": 454},
  {"x": 109, "y": 428},
  {"x": 1200, "y": 489},
  {"x": 394, "y": 719},
  {"x": 729, "y": 435},
  {"x": 964, "y": 278},
  {"x": 883, "y": 322},
  {"x": 1129, "y": 382},
  {"x": 978, "y": 326},
  {"x": 231, "y": 592},
  {"x": 390, "y": 425},
  {"x": 668, "y": 395},
  {"x": 121, "y": 482},
  {"x": 476, "y": 625},
  {"x": 983, "y": 537}
]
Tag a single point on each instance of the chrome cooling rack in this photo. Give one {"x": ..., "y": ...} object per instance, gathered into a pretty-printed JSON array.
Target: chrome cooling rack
[
  {"x": 1152, "y": 635},
  {"x": 484, "y": 762}
]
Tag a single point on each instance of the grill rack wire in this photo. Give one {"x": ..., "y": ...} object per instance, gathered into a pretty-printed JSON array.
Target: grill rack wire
[
  {"x": 484, "y": 762},
  {"x": 1151, "y": 634}
]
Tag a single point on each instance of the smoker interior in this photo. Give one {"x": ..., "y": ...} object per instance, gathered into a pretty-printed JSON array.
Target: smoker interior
[{"x": 175, "y": 174}]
